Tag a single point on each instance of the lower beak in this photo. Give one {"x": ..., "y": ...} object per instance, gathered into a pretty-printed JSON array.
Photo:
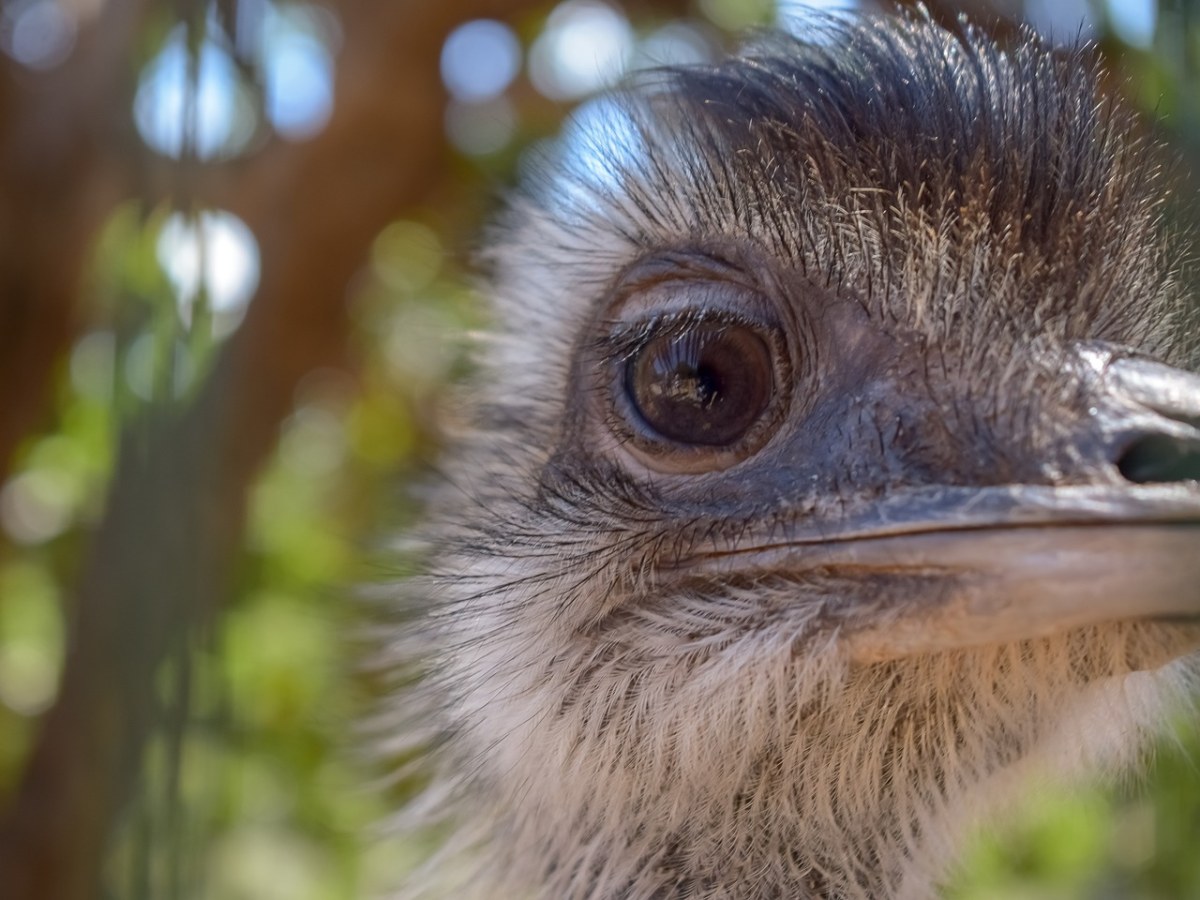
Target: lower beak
[
  {"x": 1008, "y": 563},
  {"x": 1127, "y": 549},
  {"x": 1001, "y": 585}
]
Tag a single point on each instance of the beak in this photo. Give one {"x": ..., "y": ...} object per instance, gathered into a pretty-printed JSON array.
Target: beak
[
  {"x": 1010, "y": 584},
  {"x": 1022, "y": 561},
  {"x": 1053, "y": 559}
]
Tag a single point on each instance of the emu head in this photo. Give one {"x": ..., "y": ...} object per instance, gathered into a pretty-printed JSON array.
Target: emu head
[{"x": 831, "y": 466}]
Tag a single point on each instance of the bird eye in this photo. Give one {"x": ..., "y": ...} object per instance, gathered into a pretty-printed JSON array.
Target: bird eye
[{"x": 704, "y": 386}]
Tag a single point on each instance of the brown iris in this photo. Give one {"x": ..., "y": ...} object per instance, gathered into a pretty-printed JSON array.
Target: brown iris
[{"x": 705, "y": 385}]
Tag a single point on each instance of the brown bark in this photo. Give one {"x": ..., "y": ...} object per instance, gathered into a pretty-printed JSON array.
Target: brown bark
[{"x": 57, "y": 182}]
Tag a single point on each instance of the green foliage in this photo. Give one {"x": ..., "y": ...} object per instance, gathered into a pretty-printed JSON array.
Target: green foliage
[{"x": 1136, "y": 842}]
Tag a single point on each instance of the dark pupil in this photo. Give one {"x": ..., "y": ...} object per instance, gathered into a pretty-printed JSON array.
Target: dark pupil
[{"x": 706, "y": 385}]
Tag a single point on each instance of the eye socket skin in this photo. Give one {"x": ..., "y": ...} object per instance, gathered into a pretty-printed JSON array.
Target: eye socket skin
[
  {"x": 688, "y": 363},
  {"x": 703, "y": 385}
]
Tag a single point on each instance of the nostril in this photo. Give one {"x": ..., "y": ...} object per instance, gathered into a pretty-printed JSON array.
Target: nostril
[{"x": 1161, "y": 458}]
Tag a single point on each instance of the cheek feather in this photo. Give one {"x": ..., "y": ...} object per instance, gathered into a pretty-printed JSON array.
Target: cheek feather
[{"x": 835, "y": 344}]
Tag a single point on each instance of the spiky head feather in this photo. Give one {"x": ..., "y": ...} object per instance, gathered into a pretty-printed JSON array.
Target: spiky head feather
[{"x": 599, "y": 735}]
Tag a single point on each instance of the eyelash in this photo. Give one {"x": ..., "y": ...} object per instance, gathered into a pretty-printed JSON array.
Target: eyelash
[{"x": 625, "y": 341}]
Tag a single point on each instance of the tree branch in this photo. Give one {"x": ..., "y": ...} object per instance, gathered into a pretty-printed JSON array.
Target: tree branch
[{"x": 58, "y": 181}]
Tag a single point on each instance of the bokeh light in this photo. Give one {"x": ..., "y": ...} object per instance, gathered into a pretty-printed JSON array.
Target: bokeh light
[
  {"x": 736, "y": 15},
  {"x": 407, "y": 256},
  {"x": 172, "y": 114},
  {"x": 37, "y": 33},
  {"x": 35, "y": 506},
  {"x": 93, "y": 360},
  {"x": 141, "y": 366},
  {"x": 797, "y": 16},
  {"x": 216, "y": 251},
  {"x": 1062, "y": 21},
  {"x": 1134, "y": 21},
  {"x": 480, "y": 59},
  {"x": 313, "y": 442},
  {"x": 585, "y": 46},
  {"x": 31, "y": 638},
  {"x": 297, "y": 71},
  {"x": 479, "y": 129},
  {"x": 675, "y": 44}
]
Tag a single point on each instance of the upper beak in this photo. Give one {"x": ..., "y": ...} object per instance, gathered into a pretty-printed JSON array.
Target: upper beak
[
  {"x": 1125, "y": 548},
  {"x": 1030, "y": 560}
]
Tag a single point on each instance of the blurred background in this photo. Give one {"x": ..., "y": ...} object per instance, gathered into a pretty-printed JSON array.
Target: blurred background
[{"x": 235, "y": 242}]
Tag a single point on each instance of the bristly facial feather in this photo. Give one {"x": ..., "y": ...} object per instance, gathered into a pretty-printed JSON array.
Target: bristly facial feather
[{"x": 609, "y": 729}]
